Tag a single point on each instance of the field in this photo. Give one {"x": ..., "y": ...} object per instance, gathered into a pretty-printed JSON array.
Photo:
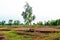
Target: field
[{"x": 29, "y": 33}]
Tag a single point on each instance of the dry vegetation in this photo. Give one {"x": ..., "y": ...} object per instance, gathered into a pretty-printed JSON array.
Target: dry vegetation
[{"x": 28, "y": 34}]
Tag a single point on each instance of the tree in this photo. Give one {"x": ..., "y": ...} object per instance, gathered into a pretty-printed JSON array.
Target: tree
[
  {"x": 27, "y": 14},
  {"x": 40, "y": 23},
  {"x": 48, "y": 23},
  {"x": 10, "y": 22},
  {"x": 3, "y": 22},
  {"x": 53, "y": 23},
  {"x": 58, "y": 21},
  {"x": 16, "y": 22},
  {"x": 0, "y": 23}
]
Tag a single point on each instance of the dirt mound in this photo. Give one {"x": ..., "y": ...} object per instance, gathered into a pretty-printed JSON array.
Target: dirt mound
[{"x": 2, "y": 37}]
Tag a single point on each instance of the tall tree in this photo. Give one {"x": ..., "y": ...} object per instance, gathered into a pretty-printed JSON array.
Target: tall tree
[{"x": 27, "y": 14}]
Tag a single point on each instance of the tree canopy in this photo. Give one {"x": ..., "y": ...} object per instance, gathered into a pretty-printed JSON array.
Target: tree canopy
[{"x": 27, "y": 14}]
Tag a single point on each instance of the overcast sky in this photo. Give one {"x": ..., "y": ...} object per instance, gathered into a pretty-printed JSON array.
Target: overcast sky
[{"x": 43, "y": 9}]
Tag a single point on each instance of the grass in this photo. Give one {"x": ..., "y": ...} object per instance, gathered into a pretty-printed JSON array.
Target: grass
[
  {"x": 51, "y": 36},
  {"x": 12, "y": 35}
]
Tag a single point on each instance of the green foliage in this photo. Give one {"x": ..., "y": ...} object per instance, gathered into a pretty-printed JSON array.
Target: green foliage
[
  {"x": 11, "y": 35},
  {"x": 47, "y": 23},
  {"x": 40, "y": 23},
  {"x": 10, "y": 22},
  {"x": 58, "y": 21},
  {"x": 58, "y": 38},
  {"x": 53, "y": 23},
  {"x": 27, "y": 14},
  {"x": 16, "y": 22},
  {"x": 2, "y": 23}
]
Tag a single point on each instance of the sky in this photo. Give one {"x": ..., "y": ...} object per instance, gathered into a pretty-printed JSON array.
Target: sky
[{"x": 44, "y": 10}]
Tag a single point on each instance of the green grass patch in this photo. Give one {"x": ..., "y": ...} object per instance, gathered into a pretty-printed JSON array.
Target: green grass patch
[{"x": 12, "y": 35}]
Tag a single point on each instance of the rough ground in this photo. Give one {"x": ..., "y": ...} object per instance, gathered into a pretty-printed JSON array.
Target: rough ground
[{"x": 21, "y": 30}]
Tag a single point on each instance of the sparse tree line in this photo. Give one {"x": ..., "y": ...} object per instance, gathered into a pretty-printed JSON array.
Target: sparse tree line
[
  {"x": 53, "y": 22},
  {"x": 49, "y": 23},
  {"x": 10, "y": 22},
  {"x": 17, "y": 22},
  {"x": 28, "y": 18}
]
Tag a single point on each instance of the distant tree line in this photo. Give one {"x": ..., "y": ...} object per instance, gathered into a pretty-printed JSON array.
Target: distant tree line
[
  {"x": 10, "y": 22},
  {"x": 53, "y": 22},
  {"x": 49, "y": 23},
  {"x": 17, "y": 22}
]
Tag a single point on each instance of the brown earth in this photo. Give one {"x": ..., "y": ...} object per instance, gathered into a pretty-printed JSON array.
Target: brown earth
[
  {"x": 37, "y": 29},
  {"x": 22, "y": 31},
  {"x": 2, "y": 37}
]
